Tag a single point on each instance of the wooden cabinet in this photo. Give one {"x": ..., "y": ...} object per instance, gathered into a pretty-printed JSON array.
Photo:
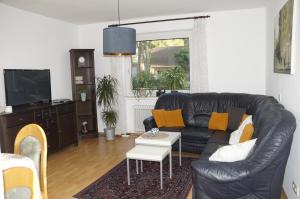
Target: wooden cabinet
[
  {"x": 57, "y": 119},
  {"x": 67, "y": 124},
  {"x": 83, "y": 80}
]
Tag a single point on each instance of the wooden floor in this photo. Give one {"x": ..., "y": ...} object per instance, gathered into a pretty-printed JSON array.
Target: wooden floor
[{"x": 74, "y": 168}]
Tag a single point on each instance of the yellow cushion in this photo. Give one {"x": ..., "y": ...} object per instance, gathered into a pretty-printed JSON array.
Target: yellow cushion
[
  {"x": 247, "y": 133},
  {"x": 158, "y": 116},
  {"x": 244, "y": 117},
  {"x": 173, "y": 118},
  {"x": 218, "y": 121}
]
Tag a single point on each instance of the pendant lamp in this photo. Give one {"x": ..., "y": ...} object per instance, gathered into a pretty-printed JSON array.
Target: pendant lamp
[{"x": 119, "y": 40}]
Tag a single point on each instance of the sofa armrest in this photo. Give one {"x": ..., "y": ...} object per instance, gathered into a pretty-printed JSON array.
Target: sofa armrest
[
  {"x": 221, "y": 172},
  {"x": 149, "y": 123}
]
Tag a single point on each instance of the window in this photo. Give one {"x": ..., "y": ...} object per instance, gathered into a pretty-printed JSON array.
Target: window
[{"x": 161, "y": 64}]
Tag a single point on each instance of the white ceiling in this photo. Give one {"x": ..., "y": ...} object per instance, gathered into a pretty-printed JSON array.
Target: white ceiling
[{"x": 90, "y": 11}]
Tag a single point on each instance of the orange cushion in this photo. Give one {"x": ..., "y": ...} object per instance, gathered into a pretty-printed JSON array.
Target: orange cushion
[
  {"x": 158, "y": 116},
  {"x": 247, "y": 133},
  {"x": 244, "y": 117},
  {"x": 218, "y": 121},
  {"x": 174, "y": 118}
]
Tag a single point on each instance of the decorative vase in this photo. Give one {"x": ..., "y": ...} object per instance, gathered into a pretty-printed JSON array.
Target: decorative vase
[
  {"x": 110, "y": 133},
  {"x": 83, "y": 96},
  {"x": 154, "y": 131}
]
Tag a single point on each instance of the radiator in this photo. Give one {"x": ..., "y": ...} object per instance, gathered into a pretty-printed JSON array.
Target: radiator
[{"x": 141, "y": 112}]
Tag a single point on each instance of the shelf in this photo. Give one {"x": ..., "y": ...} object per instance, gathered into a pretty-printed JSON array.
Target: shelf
[
  {"x": 85, "y": 75},
  {"x": 86, "y": 84},
  {"x": 84, "y": 67},
  {"x": 86, "y": 101},
  {"x": 86, "y": 115}
]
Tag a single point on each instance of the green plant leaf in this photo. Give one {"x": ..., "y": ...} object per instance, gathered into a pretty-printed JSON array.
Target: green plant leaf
[
  {"x": 110, "y": 118},
  {"x": 107, "y": 91}
]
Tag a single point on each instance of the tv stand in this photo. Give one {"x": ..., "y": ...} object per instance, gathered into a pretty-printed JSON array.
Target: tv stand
[{"x": 57, "y": 119}]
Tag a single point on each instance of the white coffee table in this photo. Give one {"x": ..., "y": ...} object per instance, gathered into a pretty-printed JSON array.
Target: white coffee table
[
  {"x": 148, "y": 153},
  {"x": 166, "y": 139}
]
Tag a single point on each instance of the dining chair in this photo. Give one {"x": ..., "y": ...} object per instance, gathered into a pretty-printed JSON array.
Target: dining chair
[
  {"x": 17, "y": 178},
  {"x": 31, "y": 141}
]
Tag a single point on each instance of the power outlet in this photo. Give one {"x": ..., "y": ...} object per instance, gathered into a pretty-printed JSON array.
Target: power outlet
[{"x": 295, "y": 189}]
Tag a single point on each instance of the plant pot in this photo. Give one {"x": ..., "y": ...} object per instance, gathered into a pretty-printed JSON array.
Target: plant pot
[
  {"x": 110, "y": 133},
  {"x": 83, "y": 96}
]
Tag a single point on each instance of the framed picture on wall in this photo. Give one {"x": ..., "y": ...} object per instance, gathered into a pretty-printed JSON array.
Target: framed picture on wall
[{"x": 284, "y": 39}]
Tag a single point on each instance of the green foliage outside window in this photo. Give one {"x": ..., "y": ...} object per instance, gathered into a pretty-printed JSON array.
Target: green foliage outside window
[{"x": 160, "y": 64}]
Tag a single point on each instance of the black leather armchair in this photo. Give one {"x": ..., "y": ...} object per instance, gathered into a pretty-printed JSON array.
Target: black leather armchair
[{"x": 261, "y": 174}]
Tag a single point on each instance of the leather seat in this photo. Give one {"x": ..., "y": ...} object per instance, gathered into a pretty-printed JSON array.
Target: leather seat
[
  {"x": 194, "y": 134},
  {"x": 251, "y": 178},
  {"x": 210, "y": 149},
  {"x": 220, "y": 137},
  {"x": 170, "y": 129}
]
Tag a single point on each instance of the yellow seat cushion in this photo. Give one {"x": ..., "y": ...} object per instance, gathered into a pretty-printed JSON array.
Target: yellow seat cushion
[
  {"x": 158, "y": 115},
  {"x": 218, "y": 121},
  {"x": 173, "y": 118},
  {"x": 247, "y": 133}
]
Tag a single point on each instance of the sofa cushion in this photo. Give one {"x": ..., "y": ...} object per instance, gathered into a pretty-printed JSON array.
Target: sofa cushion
[
  {"x": 247, "y": 133},
  {"x": 233, "y": 153},
  {"x": 219, "y": 137},
  {"x": 209, "y": 149},
  {"x": 236, "y": 135},
  {"x": 191, "y": 147},
  {"x": 158, "y": 115},
  {"x": 218, "y": 121},
  {"x": 235, "y": 116},
  {"x": 173, "y": 118},
  {"x": 194, "y": 134},
  {"x": 200, "y": 107},
  {"x": 171, "y": 129},
  {"x": 173, "y": 101}
]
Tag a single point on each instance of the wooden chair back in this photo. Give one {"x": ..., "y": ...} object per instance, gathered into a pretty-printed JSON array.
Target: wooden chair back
[
  {"x": 19, "y": 177},
  {"x": 37, "y": 132}
]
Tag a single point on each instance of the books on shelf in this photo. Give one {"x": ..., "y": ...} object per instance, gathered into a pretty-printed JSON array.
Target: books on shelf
[{"x": 79, "y": 80}]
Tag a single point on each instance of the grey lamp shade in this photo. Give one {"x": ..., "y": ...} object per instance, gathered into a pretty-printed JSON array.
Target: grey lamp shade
[{"x": 119, "y": 41}]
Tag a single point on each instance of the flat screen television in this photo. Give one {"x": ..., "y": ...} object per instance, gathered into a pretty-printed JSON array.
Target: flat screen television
[{"x": 27, "y": 86}]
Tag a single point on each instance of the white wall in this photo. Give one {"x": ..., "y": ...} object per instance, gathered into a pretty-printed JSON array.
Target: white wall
[
  {"x": 31, "y": 41},
  {"x": 288, "y": 87},
  {"x": 236, "y": 51},
  {"x": 236, "y": 48}
]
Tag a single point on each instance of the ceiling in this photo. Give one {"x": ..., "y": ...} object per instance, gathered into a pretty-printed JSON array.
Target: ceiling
[{"x": 91, "y": 11}]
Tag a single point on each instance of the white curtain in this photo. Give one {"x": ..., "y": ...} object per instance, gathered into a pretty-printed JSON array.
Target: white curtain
[
  {"x": 198, "y": 57},
  {"x": 120, "y": 69}
]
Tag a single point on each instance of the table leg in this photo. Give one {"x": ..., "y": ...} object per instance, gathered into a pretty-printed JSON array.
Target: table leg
[
  {"x": 161, "y": 176},
  {"x": 142, "y": 166},
  {"x": 170, "y": 163},
  {"x": 128, "y": 172},
  {"x": 137, "y": 166},
  {"x": 180, "y": 151}
]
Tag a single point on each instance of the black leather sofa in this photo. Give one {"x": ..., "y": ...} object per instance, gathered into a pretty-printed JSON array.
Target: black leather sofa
[{"x": 261, "y": 174}]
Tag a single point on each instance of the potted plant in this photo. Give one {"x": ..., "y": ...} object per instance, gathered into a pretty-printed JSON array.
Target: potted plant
[
  {"x": 110, "y": 120},
  {"x": 174, "y": 78},
  {"x": 107, "y": 96}
]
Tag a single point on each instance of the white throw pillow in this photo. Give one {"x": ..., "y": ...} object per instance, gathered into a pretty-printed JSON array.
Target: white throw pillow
[
  {"x": 234, "y": 152},
  {"x": 236, "y": 135}
]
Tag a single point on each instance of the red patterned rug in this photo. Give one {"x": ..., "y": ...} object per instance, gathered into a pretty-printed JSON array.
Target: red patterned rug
[{"x": 113, "y": 185}]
